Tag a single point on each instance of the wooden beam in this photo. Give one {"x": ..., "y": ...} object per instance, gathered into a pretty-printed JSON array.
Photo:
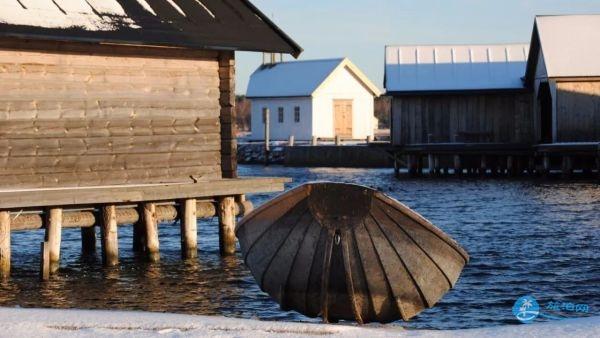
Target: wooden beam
[
  {"x": 53, "y": 237},
  {"x": 110, "y": 240},
  {"x": 125, "y": 216},
  {"x": 226, "y": 212},
  {"x": 4, "y": 245},
  {"x": 29, "y": 198},
  {"x": 189, "y": 229},
  {"x": 151, "y": 227}
]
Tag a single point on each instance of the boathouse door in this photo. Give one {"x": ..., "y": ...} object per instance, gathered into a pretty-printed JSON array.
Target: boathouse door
[
  {"x": 545, "y": 110},
  {"x": 342, "y": 118}
]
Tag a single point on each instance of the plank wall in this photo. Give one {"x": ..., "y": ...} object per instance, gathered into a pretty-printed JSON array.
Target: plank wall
[
  {"x": 81, "y": 119},
  {"x": 491, "y": 118}
]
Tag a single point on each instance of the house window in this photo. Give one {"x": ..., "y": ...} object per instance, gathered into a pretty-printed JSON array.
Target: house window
[
  {"x": 296, "y": 114},
  {"x": 265, "y": 112},
  {"x": 280, "y": 117}
]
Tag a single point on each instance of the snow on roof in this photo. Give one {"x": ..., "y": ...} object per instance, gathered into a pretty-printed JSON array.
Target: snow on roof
[
  {"x": 570, "y": 45},
  {"x": 200, "y": 24},
  {"x": 299, "y": 78},
  {"x": 93, "y": 15},
  {"x": 454, "y": 67}
]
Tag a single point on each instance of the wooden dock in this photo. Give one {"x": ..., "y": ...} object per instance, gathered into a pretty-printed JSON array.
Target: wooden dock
[
  {"x": 108, "y": 207},
  {"x": 495, "y": 159}
]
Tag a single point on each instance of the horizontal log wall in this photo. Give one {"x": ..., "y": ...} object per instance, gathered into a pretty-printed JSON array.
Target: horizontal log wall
[
  {"x": 578, "y": 111},
  {"x": 493, "y": 117},
  {"x": 109, "y": 117}
]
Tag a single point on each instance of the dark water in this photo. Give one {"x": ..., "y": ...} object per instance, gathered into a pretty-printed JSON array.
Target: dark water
[{"x": 524, "y": 237}]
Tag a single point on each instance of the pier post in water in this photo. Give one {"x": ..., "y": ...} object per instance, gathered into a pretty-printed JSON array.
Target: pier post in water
[
  {"x": 189, "y": 229},
  {"x": 226, "y": 213},
  {"x": 151, "y": 228},
  {"x": 110, "y": 240},
  {"x": 88, "y": 240},
  {"x": 139, "y": 231},
  {"x": 4, "y": 245},
  {"x": 54, "y": 219},
  {"x": 458, "y": 170}
]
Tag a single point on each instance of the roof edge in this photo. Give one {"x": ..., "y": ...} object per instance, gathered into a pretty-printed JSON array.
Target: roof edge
[
  {"x": 345, "y": 62},
  {"x": 295, "y": 46}
]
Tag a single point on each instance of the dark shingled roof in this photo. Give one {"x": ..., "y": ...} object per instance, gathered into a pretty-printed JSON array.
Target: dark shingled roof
[{"x": 207, "y": 24}]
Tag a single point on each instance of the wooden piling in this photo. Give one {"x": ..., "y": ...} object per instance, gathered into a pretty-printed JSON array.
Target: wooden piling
[
  {"x": 531, "y": 165},
  {"x": 369, "y": 139},
  {"x": 53, "y": 237},
  {"x": 44, "y": 261},
  {"x": 110, "y": 240},
  {"x": 483, "y": 166},
  {"x": 266, "y": 119},
  {"x": 226, "y": 213},
  {"x": 151, "y": 228},
  {"x": 338, "y": 140},
  {"x": 458, "y": 170},
  {"x": 88, "y": 240},
  {"x": 511, "y": 169},
  {"x": 291, "y": 141},
  {"x": 189, "y": 229},
  {"x": 139, "y": 231},
  {"x": 4, "y": 245},
  {"x": 567, "y": 166},
  {"x": 396, "y": 165},
  {"x": 314, "y": 141},
  {"x": 546, "y": 165},
  {"x": 431, "y": 164}
]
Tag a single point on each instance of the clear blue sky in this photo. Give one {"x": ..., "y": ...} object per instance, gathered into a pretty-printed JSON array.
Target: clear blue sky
[{"x": 361, "y": 29}]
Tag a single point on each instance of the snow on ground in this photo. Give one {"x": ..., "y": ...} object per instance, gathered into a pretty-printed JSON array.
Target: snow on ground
[{"x": 17, "y": 322}]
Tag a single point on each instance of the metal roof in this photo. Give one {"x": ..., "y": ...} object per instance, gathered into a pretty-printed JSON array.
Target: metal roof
[
  {"x": 570, "y": 45},
  {"x": 300, "y": 78},
  {"x": 454, "y": 67},
  {"x": 198, "y": 24}
]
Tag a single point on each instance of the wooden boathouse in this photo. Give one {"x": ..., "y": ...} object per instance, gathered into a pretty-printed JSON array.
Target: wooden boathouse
[
  {"x": 117, "y": 112},
  {"x": 500, "y": 109},
  {"x": 449, "y": 97}
]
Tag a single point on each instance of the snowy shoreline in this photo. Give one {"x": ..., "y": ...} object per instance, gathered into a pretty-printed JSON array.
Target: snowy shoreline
[{"x": 18, "y": 322}]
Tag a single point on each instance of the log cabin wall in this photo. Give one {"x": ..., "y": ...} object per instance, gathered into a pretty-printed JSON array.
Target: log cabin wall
[
  {"x": 79, "y": 115},
  {"x": 578, "y": 111},
  {"x": 471, "y": 118},
  {"x": 228, "y": 118}
]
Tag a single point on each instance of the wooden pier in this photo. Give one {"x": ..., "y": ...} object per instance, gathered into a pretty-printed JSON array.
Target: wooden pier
[
  {"x": 142, "y": 206},
  {"x": 493, "y": 160}
]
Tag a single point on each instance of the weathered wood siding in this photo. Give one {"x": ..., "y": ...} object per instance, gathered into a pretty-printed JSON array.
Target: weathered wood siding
[
  {"x": 493, "y": 117},
  {"x": 69, "y": 119},
  {"x": 578, "y": 111}
]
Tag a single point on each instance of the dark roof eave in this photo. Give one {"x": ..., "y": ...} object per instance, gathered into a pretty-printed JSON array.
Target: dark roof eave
[{"x": 295, "y": 46}]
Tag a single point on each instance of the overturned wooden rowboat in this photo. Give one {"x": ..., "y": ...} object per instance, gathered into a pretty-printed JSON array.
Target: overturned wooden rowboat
[{"x": 348, "y": 252}]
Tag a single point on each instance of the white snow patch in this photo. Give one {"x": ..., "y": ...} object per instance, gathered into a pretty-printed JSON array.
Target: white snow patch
[
  {"x": 177, "y": 7},
  {"x": 46, "y": 14},
  {"x": 206, "y": 8},
  {"x": 146, "y": 6},
  {"x": 16, "y": 322}
]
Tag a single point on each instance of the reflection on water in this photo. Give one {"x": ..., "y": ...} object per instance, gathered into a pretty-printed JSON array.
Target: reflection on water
[{"x": 523, "y": 237}]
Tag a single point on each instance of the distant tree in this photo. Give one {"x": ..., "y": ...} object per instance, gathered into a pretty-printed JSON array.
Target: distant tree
[
  {"x": 383, "y": 111},
  {"x": 242, "y": 110}
]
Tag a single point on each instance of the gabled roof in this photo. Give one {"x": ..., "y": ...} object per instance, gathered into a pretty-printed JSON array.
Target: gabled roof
[
  {"x": 300, "y": 78},
  {"x": 198, "y": 24},
  {"x": 448, "y": 68},
  {"x": 570, "y": 45}
]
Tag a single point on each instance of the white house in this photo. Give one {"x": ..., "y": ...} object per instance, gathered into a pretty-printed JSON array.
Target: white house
[{"x": 321, "y": 98}]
